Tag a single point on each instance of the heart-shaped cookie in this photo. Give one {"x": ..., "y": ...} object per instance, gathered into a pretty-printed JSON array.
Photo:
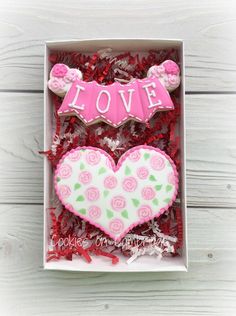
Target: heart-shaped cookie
[{"x": 115, "y": 198}]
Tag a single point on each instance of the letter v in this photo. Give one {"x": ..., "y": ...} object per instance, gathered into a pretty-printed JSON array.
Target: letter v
[{"x": 127, "y": 105}]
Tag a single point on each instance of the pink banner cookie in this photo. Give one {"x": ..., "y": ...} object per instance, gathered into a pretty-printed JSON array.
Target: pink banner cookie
[
  {"x": 115, "y": 104},
  {"x": 115, "y": 198}
]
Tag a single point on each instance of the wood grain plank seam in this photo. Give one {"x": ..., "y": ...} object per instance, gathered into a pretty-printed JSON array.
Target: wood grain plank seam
[
  {"x": 21, "y": 203},
  {"x": 20, "y": 91}
]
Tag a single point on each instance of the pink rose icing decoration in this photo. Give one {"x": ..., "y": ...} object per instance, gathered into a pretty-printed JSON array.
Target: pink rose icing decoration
[
  {"x": 173, "y": 80},
  {"x": 92, "y": 194},
  {"x": 171, "y": 67},
  {"x": 59, "y": 70},
  {"x": 118, "y": 203},
  {"x": 85, "y": 177},
  {"x": 148, "y": 193},
  {"x": 56, "y": 84},
  {"x": 64, "y": 191},
  {"x": 74, "y": 156},
  {"x": 94, "y": 212},
  {"x": 116, "y": 226},
  {"x": 115, "y": 198},
  {"x": 92, "y": 158},
  {"x": 145, "y": 212},
  {"x": 156, "y": 71},
  {"x": 142, "y": 173},
  {"x": 110, "y": 182},
  {"x": 71, "y": 75},
  {"x": 157, "y": 162},
  {"x": 65, "y": 171},
  {"x": 129, "y": 184},
  {"x": 135, "y": 156}
]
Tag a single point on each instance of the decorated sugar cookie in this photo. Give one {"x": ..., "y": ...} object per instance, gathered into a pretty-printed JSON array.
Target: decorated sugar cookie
[
  {"x": 168, "y": 73},
  {"x": 116, "y": 103},
  {"x": 116, "y": 198},
  {"x": 61, "y": 79}
]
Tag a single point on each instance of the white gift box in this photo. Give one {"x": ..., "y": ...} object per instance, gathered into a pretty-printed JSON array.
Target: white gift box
[{"x": 144, "y": 263}]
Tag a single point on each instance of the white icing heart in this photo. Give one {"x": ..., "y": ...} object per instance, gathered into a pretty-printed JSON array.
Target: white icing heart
[{"x": 115, "y": 198}]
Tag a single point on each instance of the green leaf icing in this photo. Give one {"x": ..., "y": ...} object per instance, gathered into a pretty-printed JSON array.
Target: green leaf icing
[
  {"x": 158, "y": 187},
  {"x": 58, "y": 179},
  {"x": 135, "y": 202},
  {"x": 127, "y": 171},
  {"x": 102, "y": 170},
  {"x": 146, "y": 156},
  {"x": 125, "y": 214},
  {"x": 82, "y": 211},
  {"x": 105, "y": 193},
  {"x": 155, "y": 201},
  {"x": 110, "y": 214},
  {"x": 82, "y": 166},
  {"x": 77, "y": 186},
  {"x": 167, "y": 200},
  {"x": 168, "y": 187},
  {"x": 152, "y": 178},
  {"x": 80, "y": 198}
]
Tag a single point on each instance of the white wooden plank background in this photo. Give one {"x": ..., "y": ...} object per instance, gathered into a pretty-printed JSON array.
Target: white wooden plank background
[
  {"x": 209, "y": 31},
  {"x": 206, "y": 26}
]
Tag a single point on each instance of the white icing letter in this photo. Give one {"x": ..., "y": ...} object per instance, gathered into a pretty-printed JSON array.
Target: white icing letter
[
  {"x": 108, "y": 101},
  {"x": 151, "y": 94},
  {"x": 73, "y": 104},
  {"x": 127, "y": 106}
]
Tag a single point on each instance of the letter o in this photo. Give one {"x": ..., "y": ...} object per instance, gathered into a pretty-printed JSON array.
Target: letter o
[{"x": 108, "y": 101}]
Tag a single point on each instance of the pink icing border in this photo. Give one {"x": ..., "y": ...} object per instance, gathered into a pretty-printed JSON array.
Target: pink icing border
[{"x": 115, "y": 168}]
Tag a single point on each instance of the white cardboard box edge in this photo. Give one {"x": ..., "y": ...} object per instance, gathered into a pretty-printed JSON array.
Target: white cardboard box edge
[{"x": 176, "y": 264}]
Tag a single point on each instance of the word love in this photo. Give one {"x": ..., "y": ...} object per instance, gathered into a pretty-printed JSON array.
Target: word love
[
  {"x": 116, "y": 103},
  {"x": 116, "y": 198}
]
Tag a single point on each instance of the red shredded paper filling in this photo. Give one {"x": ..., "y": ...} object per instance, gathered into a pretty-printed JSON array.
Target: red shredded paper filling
[{"x": 70, "y": 235}]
